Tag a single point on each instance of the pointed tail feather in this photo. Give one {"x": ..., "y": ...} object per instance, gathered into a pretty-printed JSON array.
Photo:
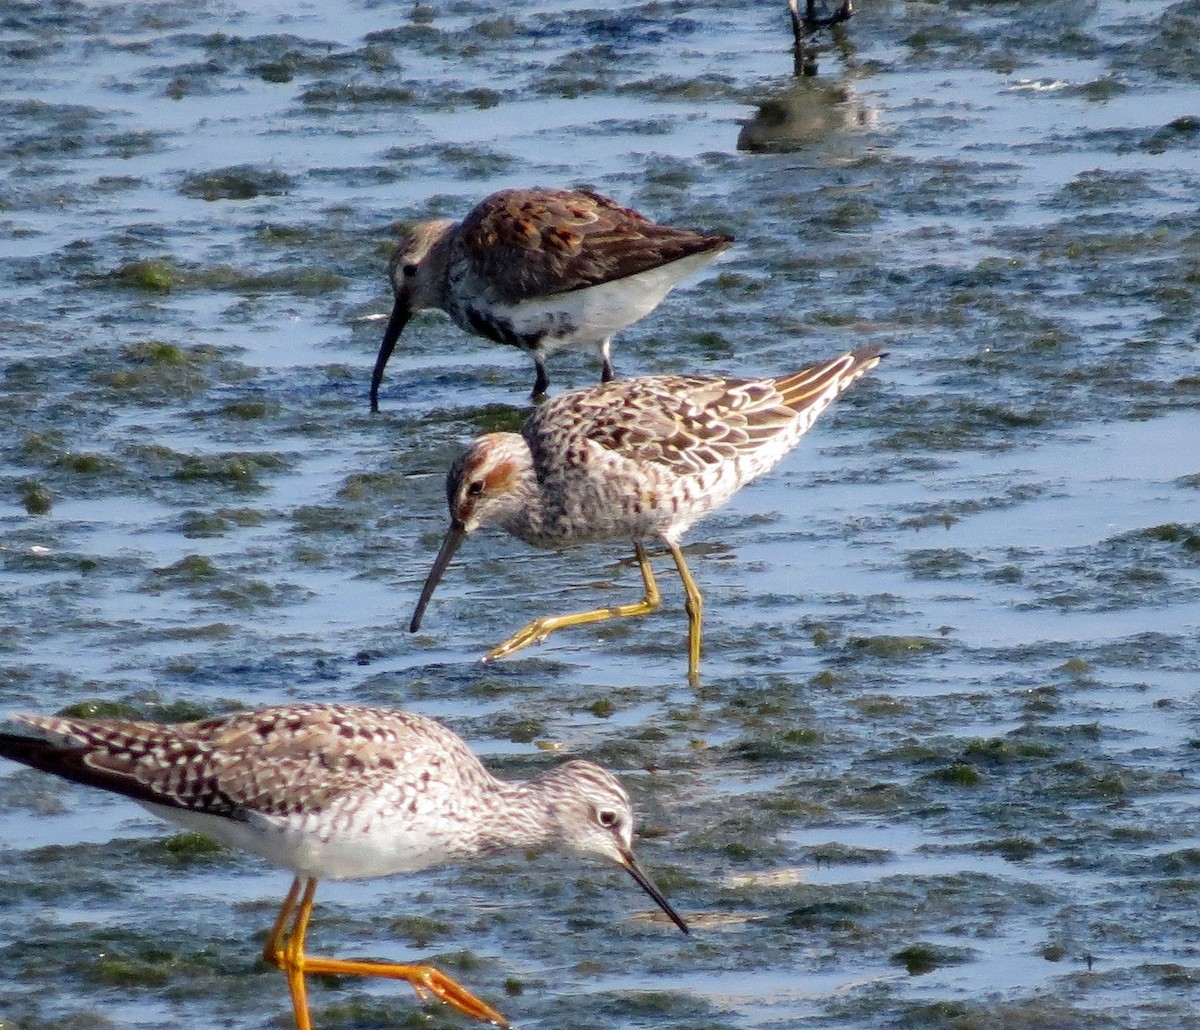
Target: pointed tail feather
[
  {"x": 812, "y": 390},
  {"x": 72, "y": 763}
]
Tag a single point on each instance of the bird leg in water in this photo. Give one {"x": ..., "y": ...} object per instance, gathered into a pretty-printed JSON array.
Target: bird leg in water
[
  {"x": 285, "y": 949},
  {"x": 540, "y": 629},
  {"x": 694, "y": 606}
]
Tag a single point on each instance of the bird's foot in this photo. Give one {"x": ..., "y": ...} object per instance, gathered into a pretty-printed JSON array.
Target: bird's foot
[{"x": 534, "y": 633}]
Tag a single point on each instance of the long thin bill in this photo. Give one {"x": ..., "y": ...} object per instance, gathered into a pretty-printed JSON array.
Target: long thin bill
[
  {"x": 455, "y": 535},
  {"x": 644, "y": 881},
  {"x": 401, "y": 313}
]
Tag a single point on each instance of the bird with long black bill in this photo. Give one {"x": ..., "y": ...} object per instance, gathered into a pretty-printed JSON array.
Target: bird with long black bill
[{"x": 540, "y": 270}]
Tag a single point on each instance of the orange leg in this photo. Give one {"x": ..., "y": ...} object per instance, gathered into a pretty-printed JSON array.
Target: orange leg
[{"x": 287, "y": 952}]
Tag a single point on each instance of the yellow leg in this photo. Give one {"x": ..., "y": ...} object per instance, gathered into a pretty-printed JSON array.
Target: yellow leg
[
  {"x": 273, "y": 949},
  {"x": 540, "y": 629},
  {"x": 289, "y": 955},
  {"x": 285, "y": 949},
  {"x": 694, "y": 605}
]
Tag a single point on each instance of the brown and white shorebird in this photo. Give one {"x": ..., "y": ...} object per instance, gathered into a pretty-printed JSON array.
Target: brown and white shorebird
[
  {"x": 541, "y": 269},
  {"x": 339, "y": 792},
  {"x": 638, "y": 459}
]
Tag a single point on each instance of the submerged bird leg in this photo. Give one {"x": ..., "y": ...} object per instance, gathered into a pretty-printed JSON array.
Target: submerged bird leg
[
  {"x": 811, "y": 22},
  {"x": 540, "y": 629},
  {"x": 607, "y": 375},
  {"x": 541, "y": 383},
  {"x": 291, "y": 958},
  {"x": 803, "y": 27},
  {"x": 694, "y": 605}
]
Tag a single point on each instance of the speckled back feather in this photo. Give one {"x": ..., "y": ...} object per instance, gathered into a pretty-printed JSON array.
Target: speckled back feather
[
  {"x": 691, "y": 424},
  {"x": 274, "y": 761},
  {"x": 539, "y": 242}
]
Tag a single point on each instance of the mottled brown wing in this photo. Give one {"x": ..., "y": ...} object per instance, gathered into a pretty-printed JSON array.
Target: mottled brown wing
[
  {"x": 140, "y": 760},
  {"x": 688, "y": 424},
  {"x": 537, "y": 242},
  {"x": 270, "y": 762},
  {"x": 281, "y": 761},
  {"x": 685, "y": 424}
]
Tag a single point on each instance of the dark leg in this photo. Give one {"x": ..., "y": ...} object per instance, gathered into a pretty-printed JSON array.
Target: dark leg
[
  {"x": 804, "y": 26},
  {"x": 606, "y": 370},
  {"x": 542, "y": 383},
  {"x": 810, "y": 22}
]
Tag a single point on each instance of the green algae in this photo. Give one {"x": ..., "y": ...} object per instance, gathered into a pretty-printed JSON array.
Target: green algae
[
  {"x": 419, "y": 931},
  {"x": 365, "y": 486},
  {"x": 184, "y": 850},
  {"x": 238, "y": 471},
  {"x": 603, "y": 708},
  {"x": 1008, "y": 332},
  {"x": 960, "y": 774},
  {"x": 142, "y": 706},
  {"x": 195, "y": 524},
  {"x": 251, "y": 409},
  {"x": 922, "y": 958},
  {"x": 836, "y": 853},
  {"x": 237, "y": 182},
  {"x": 101, "y": 709},
  {"x": 89, "y": 464},
  {"x": 156, "y": 371},
  {"x": 190, "y": 569},
  {"x": 36, "y": 497},
  {"x": 1186, "y": 537},
  {"x": 154, "y": 274},
  {"x": 892, "y": 648}
]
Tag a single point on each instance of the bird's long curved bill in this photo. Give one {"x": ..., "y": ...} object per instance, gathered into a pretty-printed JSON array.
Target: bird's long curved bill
[
  {"x": 401, "y": 313},
  {"x": 644, "y": 881},
  {"x": 455, "y": 535}
]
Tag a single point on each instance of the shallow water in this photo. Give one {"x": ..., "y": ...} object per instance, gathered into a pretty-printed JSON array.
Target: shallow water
[{"x": 941, "y": 768}]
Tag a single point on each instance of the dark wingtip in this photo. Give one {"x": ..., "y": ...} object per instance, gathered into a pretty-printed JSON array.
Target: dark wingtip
[{"x": 871, "y": 352}]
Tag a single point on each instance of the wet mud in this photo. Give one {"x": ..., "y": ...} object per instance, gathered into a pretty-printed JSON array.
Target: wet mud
[{"x": 941, "y": 768}]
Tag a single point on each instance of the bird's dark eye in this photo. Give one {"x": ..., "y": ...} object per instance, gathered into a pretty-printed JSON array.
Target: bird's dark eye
[
  {"x": 607, "y": 819},
  {"x": 475, "y": 489},
  {"x": 409, "y": 269}
]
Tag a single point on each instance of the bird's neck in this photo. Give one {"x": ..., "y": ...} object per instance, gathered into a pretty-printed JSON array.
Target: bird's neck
[{"x": 517, "y": 817}]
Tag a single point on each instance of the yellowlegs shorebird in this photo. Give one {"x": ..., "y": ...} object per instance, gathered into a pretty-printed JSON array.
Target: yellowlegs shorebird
[
  {"x": 636, "y": 459},
  {"x": 541, "y": 269},
  {"x": 339, "y": 792}
]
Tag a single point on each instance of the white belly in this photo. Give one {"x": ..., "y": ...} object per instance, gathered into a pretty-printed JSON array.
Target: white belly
[
  {"x": 316, "y": 848},
  {"x": 591, "y": 316}
]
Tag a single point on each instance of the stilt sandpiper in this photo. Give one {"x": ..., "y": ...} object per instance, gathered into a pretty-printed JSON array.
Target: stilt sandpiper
[
  {"x": 339, "y": 792},
  {"x": 635, "y": 459},
  {"x": 541, "y": 269}
]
